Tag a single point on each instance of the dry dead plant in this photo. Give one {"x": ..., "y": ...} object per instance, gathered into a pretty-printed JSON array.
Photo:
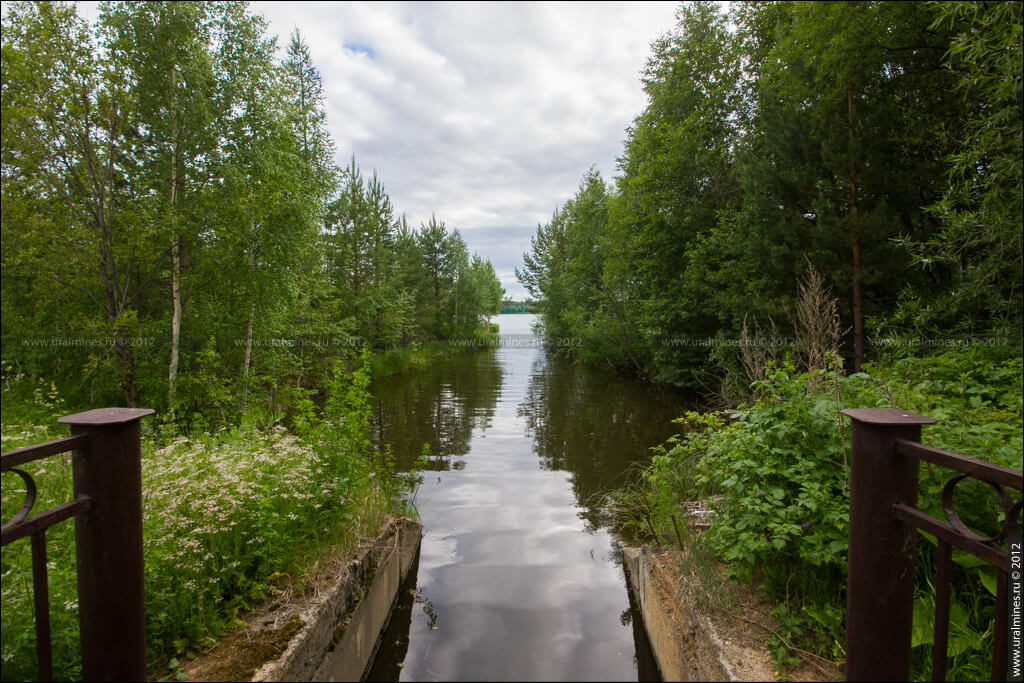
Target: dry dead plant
[
  {"x": 759, "y": 349},
  {"x": 818, "y": 330},
  {"x": 817, "y": 325}
]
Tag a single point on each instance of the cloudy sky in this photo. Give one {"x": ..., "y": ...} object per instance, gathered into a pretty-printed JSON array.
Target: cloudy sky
[{"x": 486, "y": 115}]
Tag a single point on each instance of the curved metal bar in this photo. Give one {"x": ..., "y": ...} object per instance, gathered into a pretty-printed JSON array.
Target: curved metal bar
[
  {"x": 30, "y": 499},
  {"x": 954, "y": 519},
  {"x": 1010, "y": 529}
]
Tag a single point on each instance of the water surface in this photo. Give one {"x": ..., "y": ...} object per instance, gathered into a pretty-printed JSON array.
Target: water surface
[{"x": 518, "y": 578}]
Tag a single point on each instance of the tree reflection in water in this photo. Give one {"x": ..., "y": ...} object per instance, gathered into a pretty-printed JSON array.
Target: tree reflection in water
[
  {"x": 596, "y": 426},
  {"x": 521, "y": 573},
  {"x": 439, "y": 405}
]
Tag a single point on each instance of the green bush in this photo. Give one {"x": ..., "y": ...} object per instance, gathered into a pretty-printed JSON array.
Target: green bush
[{"x": 777, "y": 481}]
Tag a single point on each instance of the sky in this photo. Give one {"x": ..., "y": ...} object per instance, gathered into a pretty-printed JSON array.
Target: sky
[{"x": 485, "y": 115}]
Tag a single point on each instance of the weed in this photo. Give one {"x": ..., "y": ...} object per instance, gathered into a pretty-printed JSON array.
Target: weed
[
  {"x": 776, "y": 481},
  {"x": 226, "y": 515}
]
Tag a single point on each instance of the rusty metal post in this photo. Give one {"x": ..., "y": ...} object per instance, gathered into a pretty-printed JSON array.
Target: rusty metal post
[
  {"x": 880, "y": 572},
  {"x": 108, "y": 542}
]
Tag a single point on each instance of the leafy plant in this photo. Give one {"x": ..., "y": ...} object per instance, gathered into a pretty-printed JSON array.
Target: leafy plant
[
  {"x": 776, "y": 479},
  {"x": 279, "y": 501}
]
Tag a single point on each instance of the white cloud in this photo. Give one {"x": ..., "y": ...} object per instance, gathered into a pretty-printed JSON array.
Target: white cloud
[{"x": 485, "y": 114}]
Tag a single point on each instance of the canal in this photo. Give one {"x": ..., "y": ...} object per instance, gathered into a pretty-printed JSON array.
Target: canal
[{"x": 518, "y": 577}]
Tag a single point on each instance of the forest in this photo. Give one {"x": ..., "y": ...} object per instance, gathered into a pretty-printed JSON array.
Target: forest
[
  {"x": 176, "y": 232},
  {"x": 878, "y": 143}
]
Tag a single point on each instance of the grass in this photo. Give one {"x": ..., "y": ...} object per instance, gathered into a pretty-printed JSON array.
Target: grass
[
  {"x": 401, "y": 360},
  {"x": 229, "y": 518}
]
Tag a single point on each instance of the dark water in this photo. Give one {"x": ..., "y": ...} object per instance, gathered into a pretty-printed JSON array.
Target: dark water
[{"x": 518, "y": 578}]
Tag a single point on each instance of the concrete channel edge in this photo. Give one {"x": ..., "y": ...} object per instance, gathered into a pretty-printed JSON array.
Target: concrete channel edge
[
  {"x": 686, "y": 645},
  {"x": 342, "y": 627}
]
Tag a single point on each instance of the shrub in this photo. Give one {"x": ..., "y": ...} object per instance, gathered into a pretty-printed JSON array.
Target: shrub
[{"x": 777, "y": 481}]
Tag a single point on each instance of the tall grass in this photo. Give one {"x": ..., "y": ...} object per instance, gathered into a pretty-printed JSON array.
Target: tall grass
[
  {"x": 227, "y": 517},
  {"x": 420, "y": 355}
]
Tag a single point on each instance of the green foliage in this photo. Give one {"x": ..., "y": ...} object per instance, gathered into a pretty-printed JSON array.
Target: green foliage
[
  {"x": 971, "y": 618},
  {"x": 978, "y": 243},
  {"x": 30, "y": 412},
  {"x": 280, "y": 498},
  {"x": 777, "y": 481},
  {"x": 573, "y": 272},
  {"x": 173, "y": 150},
  {"x": 878, "y": 141}
]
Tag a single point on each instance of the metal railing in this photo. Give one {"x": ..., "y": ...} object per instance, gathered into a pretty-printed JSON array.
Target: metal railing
[
  {"x": 107, "y": 508},
  {"x": 886, "y": 451}
]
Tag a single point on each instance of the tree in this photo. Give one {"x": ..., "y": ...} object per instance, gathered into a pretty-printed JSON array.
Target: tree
[
  {"x": 454, "y": 266},
  {"x": 543, "y": 275},
  {"x": 304, "y": 90},
  {"x": 430, "y": 239},
  {"x": 849, "y": 98},
  {"x": 677, "y": 176},
  {"x": 488, "y": 292},
  {"x": 411, "y": 278},
  {"x": 166, "y": 51},
  {"x": 785, "y": 133},
  {"x": 979, "y": 243},
  {"x": 387, "y": 305},
  {"x": 69, "y": 125},
  {"x": 267, "y": 211}
]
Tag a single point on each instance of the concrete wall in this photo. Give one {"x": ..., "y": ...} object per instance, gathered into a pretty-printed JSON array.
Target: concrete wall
[
  {"x": 341, "y": 628},
  {"x": 686, "y": 644}
]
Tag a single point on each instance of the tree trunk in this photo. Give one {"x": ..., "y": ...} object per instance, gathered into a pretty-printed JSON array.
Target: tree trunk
[
  {"x": 131, "y": 389},
  {"x": 115, "y": 307},
  {"x": 355, "y": 273},
  {"x": 858, "y": 270},
  {"x": 172, "y": 373},
  {"x": 858, "y": 307},
  {"x": 252, "y": 313},
  {"x": 355, "y": 262},
  {"x": 248, "y": 357},
  {"x": 115, "y": 303}
]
